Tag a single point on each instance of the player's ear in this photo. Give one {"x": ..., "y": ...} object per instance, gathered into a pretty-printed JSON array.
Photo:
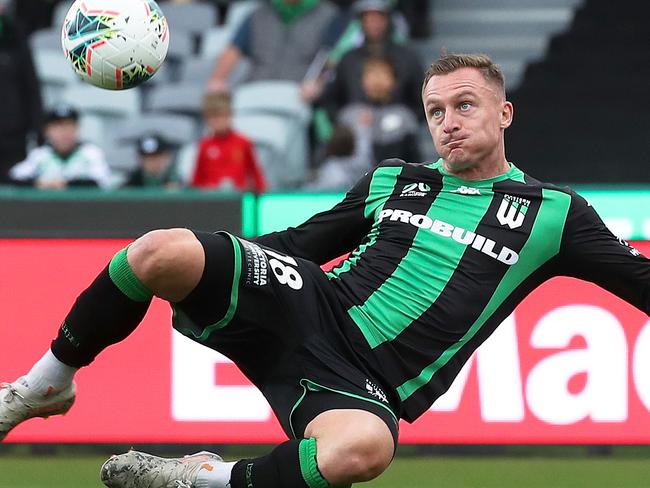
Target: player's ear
[{"x": 507, "y": 112}]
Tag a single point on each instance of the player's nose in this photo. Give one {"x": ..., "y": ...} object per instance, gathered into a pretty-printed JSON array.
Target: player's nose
[{"x": 451, "y": 122}]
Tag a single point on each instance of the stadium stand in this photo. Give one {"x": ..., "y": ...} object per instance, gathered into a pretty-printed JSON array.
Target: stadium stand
[
  {"x": 585, "y": 105},
  {"x": 512, "y": 32},
  {"x": 516, "y": 33}
]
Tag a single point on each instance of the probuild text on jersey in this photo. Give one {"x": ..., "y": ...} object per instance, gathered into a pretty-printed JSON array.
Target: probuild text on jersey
[{"x": 460, "y": 235}]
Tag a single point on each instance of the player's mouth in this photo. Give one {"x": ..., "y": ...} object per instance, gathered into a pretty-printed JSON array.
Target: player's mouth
[{"x": 454, "y": 144}]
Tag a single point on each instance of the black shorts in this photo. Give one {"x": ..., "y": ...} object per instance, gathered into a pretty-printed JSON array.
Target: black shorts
[{"x": 277, "y": 317}]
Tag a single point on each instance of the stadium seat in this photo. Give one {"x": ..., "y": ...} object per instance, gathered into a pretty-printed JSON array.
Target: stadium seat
[
  {"x": 272, "y": 136},
  {"x": 186, "y": 162},
  {"x": 181, "y": 45},
  {"x": 177, "y": 129},
  {"x": 92, "y": 128},
  {"x": 280, "y": 99},
  {"x": 272, "y": 97},
  {"x": 238, "y": 12},
  {"x": 196, "y": 70},
  {"x": 54, "y": 74},
  {"x": 214, "y": 41},
  {"x": 180, "y": 98},
  {"x": 46, "y": 40},
  {"x": 110, "y": 104},
  {"x": 122, "y": 158},
  {"x": 193, "y": 17}
]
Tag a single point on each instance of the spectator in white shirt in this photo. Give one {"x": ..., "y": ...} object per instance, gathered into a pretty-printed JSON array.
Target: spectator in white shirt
[{"x": 64, "y": 160}]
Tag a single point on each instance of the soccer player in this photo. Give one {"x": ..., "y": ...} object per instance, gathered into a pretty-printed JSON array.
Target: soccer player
[{"x": 443, "y": 252}]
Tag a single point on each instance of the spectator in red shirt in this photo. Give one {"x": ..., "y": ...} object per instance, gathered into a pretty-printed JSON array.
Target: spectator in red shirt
[{"x": 226, "y": 159}]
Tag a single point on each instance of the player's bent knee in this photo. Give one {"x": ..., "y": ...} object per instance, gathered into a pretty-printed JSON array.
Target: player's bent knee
[
  {"x": 353, "y": 461},
  {"x": 153, "y": 254},
  {"x": 169, "y": 262},
  {"x": 363, "y": 466}
]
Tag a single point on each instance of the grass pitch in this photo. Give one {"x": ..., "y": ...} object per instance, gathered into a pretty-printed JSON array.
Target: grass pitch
[{"x": 65, "y": 471}]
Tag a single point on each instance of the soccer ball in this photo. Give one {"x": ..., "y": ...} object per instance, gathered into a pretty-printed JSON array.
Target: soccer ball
[{"x": 115, "y": 44}]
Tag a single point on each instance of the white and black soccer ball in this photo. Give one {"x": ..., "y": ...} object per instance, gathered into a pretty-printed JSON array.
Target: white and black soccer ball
[{"x": 115, "y": 44}]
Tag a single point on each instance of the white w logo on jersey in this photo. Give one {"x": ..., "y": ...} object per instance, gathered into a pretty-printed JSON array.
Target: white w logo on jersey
[{"x": 512, "y": 211}]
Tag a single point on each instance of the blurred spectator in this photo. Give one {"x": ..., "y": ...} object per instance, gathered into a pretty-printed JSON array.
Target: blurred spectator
[
  {"x": 20, "y": 110},
  {"x": 349, "y": 32},
  {"x": 156, "y": 167},
  {"x": 282, "y": 39},
  {"x": 394, "y": 126},
  {"x": 226, "y": 159},
  {"x": 346, "y": 86},
  {"x": 63, "y": 161},
  {"x": 347, "y": 158}
]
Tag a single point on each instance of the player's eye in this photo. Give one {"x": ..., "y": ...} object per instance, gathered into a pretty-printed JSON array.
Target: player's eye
[
  {"x": 465, "y": 106},
  {"x": 436, "y": 113}
]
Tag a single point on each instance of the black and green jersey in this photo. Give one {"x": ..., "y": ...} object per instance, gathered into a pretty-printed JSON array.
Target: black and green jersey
[{"x": 440, "y": 262}]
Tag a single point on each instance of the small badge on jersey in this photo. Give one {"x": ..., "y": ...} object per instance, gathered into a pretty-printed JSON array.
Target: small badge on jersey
[
  {"x": 512, "y": 211},
  {"x": 415, "y": 190},
  {"x": 257, "y": 264}
]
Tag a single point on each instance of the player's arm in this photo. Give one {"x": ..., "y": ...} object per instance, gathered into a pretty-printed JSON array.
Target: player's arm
[
  {"x": 329, "y": 234},
  {"x": 591, "y": 252}
]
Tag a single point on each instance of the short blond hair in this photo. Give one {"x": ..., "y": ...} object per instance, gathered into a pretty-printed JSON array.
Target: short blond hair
[
  {"x": 448, "y": 63},
  {"x": 217, "y": 102}
]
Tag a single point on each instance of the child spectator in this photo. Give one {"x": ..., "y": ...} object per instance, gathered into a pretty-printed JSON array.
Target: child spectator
[
  {"x": 226, "y": 159},
  {"x": 64, "y": 160},
  {"x": 156, "y": 167},
  {"x": 345, "y": 86},
  {"x": 347, "y": 158},
  {"x": 394, "y": 126}
]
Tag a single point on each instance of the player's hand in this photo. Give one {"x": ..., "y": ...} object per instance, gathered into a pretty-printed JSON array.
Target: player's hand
[
  {"x": 310, "y": 90},
  {"x": 51, "y": 184},
  {"x": 217, "y": 85}
]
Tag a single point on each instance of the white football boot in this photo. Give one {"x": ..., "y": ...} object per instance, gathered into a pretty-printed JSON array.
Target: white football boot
[
  {"x": 140, "y": 470},
  {"x": 18, "y": 403}
]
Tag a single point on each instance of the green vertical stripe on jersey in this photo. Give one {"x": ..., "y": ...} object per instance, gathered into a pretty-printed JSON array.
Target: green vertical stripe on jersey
[
  {"x": 421, "y": 269},
  {"x": 542, "y": 244},
  {"x": 382, "y": 186}
]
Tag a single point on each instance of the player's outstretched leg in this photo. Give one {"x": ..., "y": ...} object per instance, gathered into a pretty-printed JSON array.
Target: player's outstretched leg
[
  {"x": 344, "y": 447},
  {"x": 166, "y": 263}
]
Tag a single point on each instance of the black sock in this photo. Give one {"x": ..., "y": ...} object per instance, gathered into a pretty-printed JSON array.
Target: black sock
[
  {"x": 290, "y": 465},
  {"x": 104, "y": 314}
]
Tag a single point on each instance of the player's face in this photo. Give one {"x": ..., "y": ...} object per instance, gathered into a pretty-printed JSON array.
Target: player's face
[{"x": 466, "y": 115}]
